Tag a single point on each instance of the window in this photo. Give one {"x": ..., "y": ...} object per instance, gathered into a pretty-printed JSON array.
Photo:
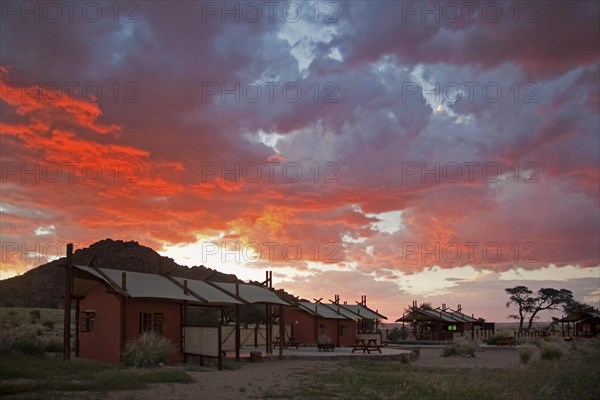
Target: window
[
  {"x": 343, "y": 330},
  {"x": 152, "y": 322},
  {"x": 451, "y": 327},
  {"x": 88, "y": 321}
]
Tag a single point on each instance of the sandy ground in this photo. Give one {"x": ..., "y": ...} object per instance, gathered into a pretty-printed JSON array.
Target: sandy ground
[
  {"x": 253, "y": 380},
  {"x": 250, "y": 381},
  {"x": 507, "y": 357}
]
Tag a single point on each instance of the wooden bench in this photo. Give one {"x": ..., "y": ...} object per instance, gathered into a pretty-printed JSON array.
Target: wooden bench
[{"x": 325, "y": 346}]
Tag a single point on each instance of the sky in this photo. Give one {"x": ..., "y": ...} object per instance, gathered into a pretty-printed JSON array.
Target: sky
[{"x": 403, "y": 150}]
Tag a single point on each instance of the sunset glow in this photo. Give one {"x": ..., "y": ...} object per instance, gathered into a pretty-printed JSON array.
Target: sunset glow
[{"x": 363, "y": 149}]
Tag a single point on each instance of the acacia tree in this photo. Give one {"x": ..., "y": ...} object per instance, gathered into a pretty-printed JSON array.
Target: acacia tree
[
  {"x": 521, "y": 296},
  {"x": 529, "y": 305},
  {"x": 548, "y": 299},
  {"x": 572, "y": 306}
]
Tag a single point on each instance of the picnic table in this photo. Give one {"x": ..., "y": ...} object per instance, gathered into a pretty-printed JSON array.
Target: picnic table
[
  {"x": 291, "y": 341},
  {"x": 367, "y": 345}
]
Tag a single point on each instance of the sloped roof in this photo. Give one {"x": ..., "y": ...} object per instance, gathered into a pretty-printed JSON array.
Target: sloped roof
[
  {"x": 436, "y": 315},
  {"x": 153, "y": 286},
  {"x": 323, "y": 311},
  {"x": 579, "y": 316},
  {"x": 361, "y": 312},
  {"x": 252, "y": 293}
]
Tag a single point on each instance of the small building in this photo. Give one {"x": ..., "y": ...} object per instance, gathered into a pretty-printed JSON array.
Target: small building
[
  {"x": 585, "y": 324},
  {"x": 440, "y": 323},
  {"x": 114, "y": 307},
  {"x": 339, "y": 324},
  {"x": 317, "y": 323}
]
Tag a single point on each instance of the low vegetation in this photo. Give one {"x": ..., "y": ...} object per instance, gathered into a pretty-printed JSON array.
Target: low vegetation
[
  {"x": 28, "y": 335},
  {"x": 148, "y": 350},
  {"x": 574, "y": 377},
  {"x": 26, "y": 369},
  {"x": 460, "y": 347},
  {"x": 525, "y": 353}
]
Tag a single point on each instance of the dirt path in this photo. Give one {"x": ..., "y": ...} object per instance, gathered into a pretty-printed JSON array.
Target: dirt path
[
  {"x": 254, "y": 380},
  {"x": 250, "y": 381}
]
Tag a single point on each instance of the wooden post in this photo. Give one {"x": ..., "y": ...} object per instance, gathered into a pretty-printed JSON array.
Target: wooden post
[
  {"x": 77, "y": 322},
  {"x": 123, "y": 303},
  {"x": 219, "y": 338},
  {"x": 281, "y": 331},
  {"x": 238, "y": 339},
  {"x": 68, "y": 294}
]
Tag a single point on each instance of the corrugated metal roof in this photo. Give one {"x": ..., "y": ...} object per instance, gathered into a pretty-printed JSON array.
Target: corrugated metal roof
[
  {"x": 322, "y": 310},
  {"x": 212, "y": 294},
  {"x": 362, "y": 311},
  {"x": 156, "y": 286},
  {"x": 252, "y": 293},
  {"x": 436, "y": 315},
  {"x": 578, "y": 316}
]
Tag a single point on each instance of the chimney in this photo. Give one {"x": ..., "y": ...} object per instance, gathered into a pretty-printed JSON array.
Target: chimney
[
  {"x": 459, "y": 308},
  {"x": 443, "y": 306},
  {"x": 185, "y": 287},
  {"x": 124, "y": 281}
]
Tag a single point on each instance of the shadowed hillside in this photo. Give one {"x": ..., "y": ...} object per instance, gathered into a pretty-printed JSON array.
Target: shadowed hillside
[{"x": 44, "y": 286}]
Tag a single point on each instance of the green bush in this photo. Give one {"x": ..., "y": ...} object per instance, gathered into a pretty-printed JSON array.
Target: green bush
[
  {"x": 28, "y": 346},
  {"x": 35, "y": 316},
  {"x": 54, "y": 347},
  {"x": 398, "y": 334},
  {"x": 49, "y": 325},
  {"x": 525, "y": 354},
  {"x": 148, "y": 350},
  {"x": 460, "y": 347},
  {"x": 551, "y": 352}
]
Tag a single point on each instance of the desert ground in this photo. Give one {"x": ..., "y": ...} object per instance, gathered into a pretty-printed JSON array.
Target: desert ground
[{"x": 258, "y": 380}]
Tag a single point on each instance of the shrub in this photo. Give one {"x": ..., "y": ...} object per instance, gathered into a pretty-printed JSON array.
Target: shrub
[
  {"x": 28, "y": 347},
  {"x": 35, "y": 315},
  {"x": 54, "y": 347},
  {"x": 148, "y": 350},
  {"x": 551, "y": 352},
  {"x": 460, "y": 347},
  {"x": 48, "y": 324},
  {"x": 398, "y": 334},
  {"x": 525, "y": 354}
]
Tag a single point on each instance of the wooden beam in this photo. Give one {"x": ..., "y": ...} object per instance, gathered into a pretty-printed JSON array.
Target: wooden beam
[
  {"x": 281, "y": 331},
  {"x": 68, "y": 294},
  {"x": 238, "y": 334}
]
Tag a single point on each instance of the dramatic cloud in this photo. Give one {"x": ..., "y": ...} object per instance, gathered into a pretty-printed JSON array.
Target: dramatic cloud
[{"x": 396, "y": 149}]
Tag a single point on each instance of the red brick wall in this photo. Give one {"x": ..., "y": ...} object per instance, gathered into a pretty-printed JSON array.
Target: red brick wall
[{"x": 104, "y": 344}]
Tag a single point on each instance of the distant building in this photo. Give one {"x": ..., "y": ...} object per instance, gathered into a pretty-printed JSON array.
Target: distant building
[
  {"x": 585, "y": 324},
  {"x": 441, "y": 323},
  {"x": 339, "y": 324}
]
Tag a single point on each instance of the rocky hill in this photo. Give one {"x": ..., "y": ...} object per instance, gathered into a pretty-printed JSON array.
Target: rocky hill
[{"x": 44, "y": 286}]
